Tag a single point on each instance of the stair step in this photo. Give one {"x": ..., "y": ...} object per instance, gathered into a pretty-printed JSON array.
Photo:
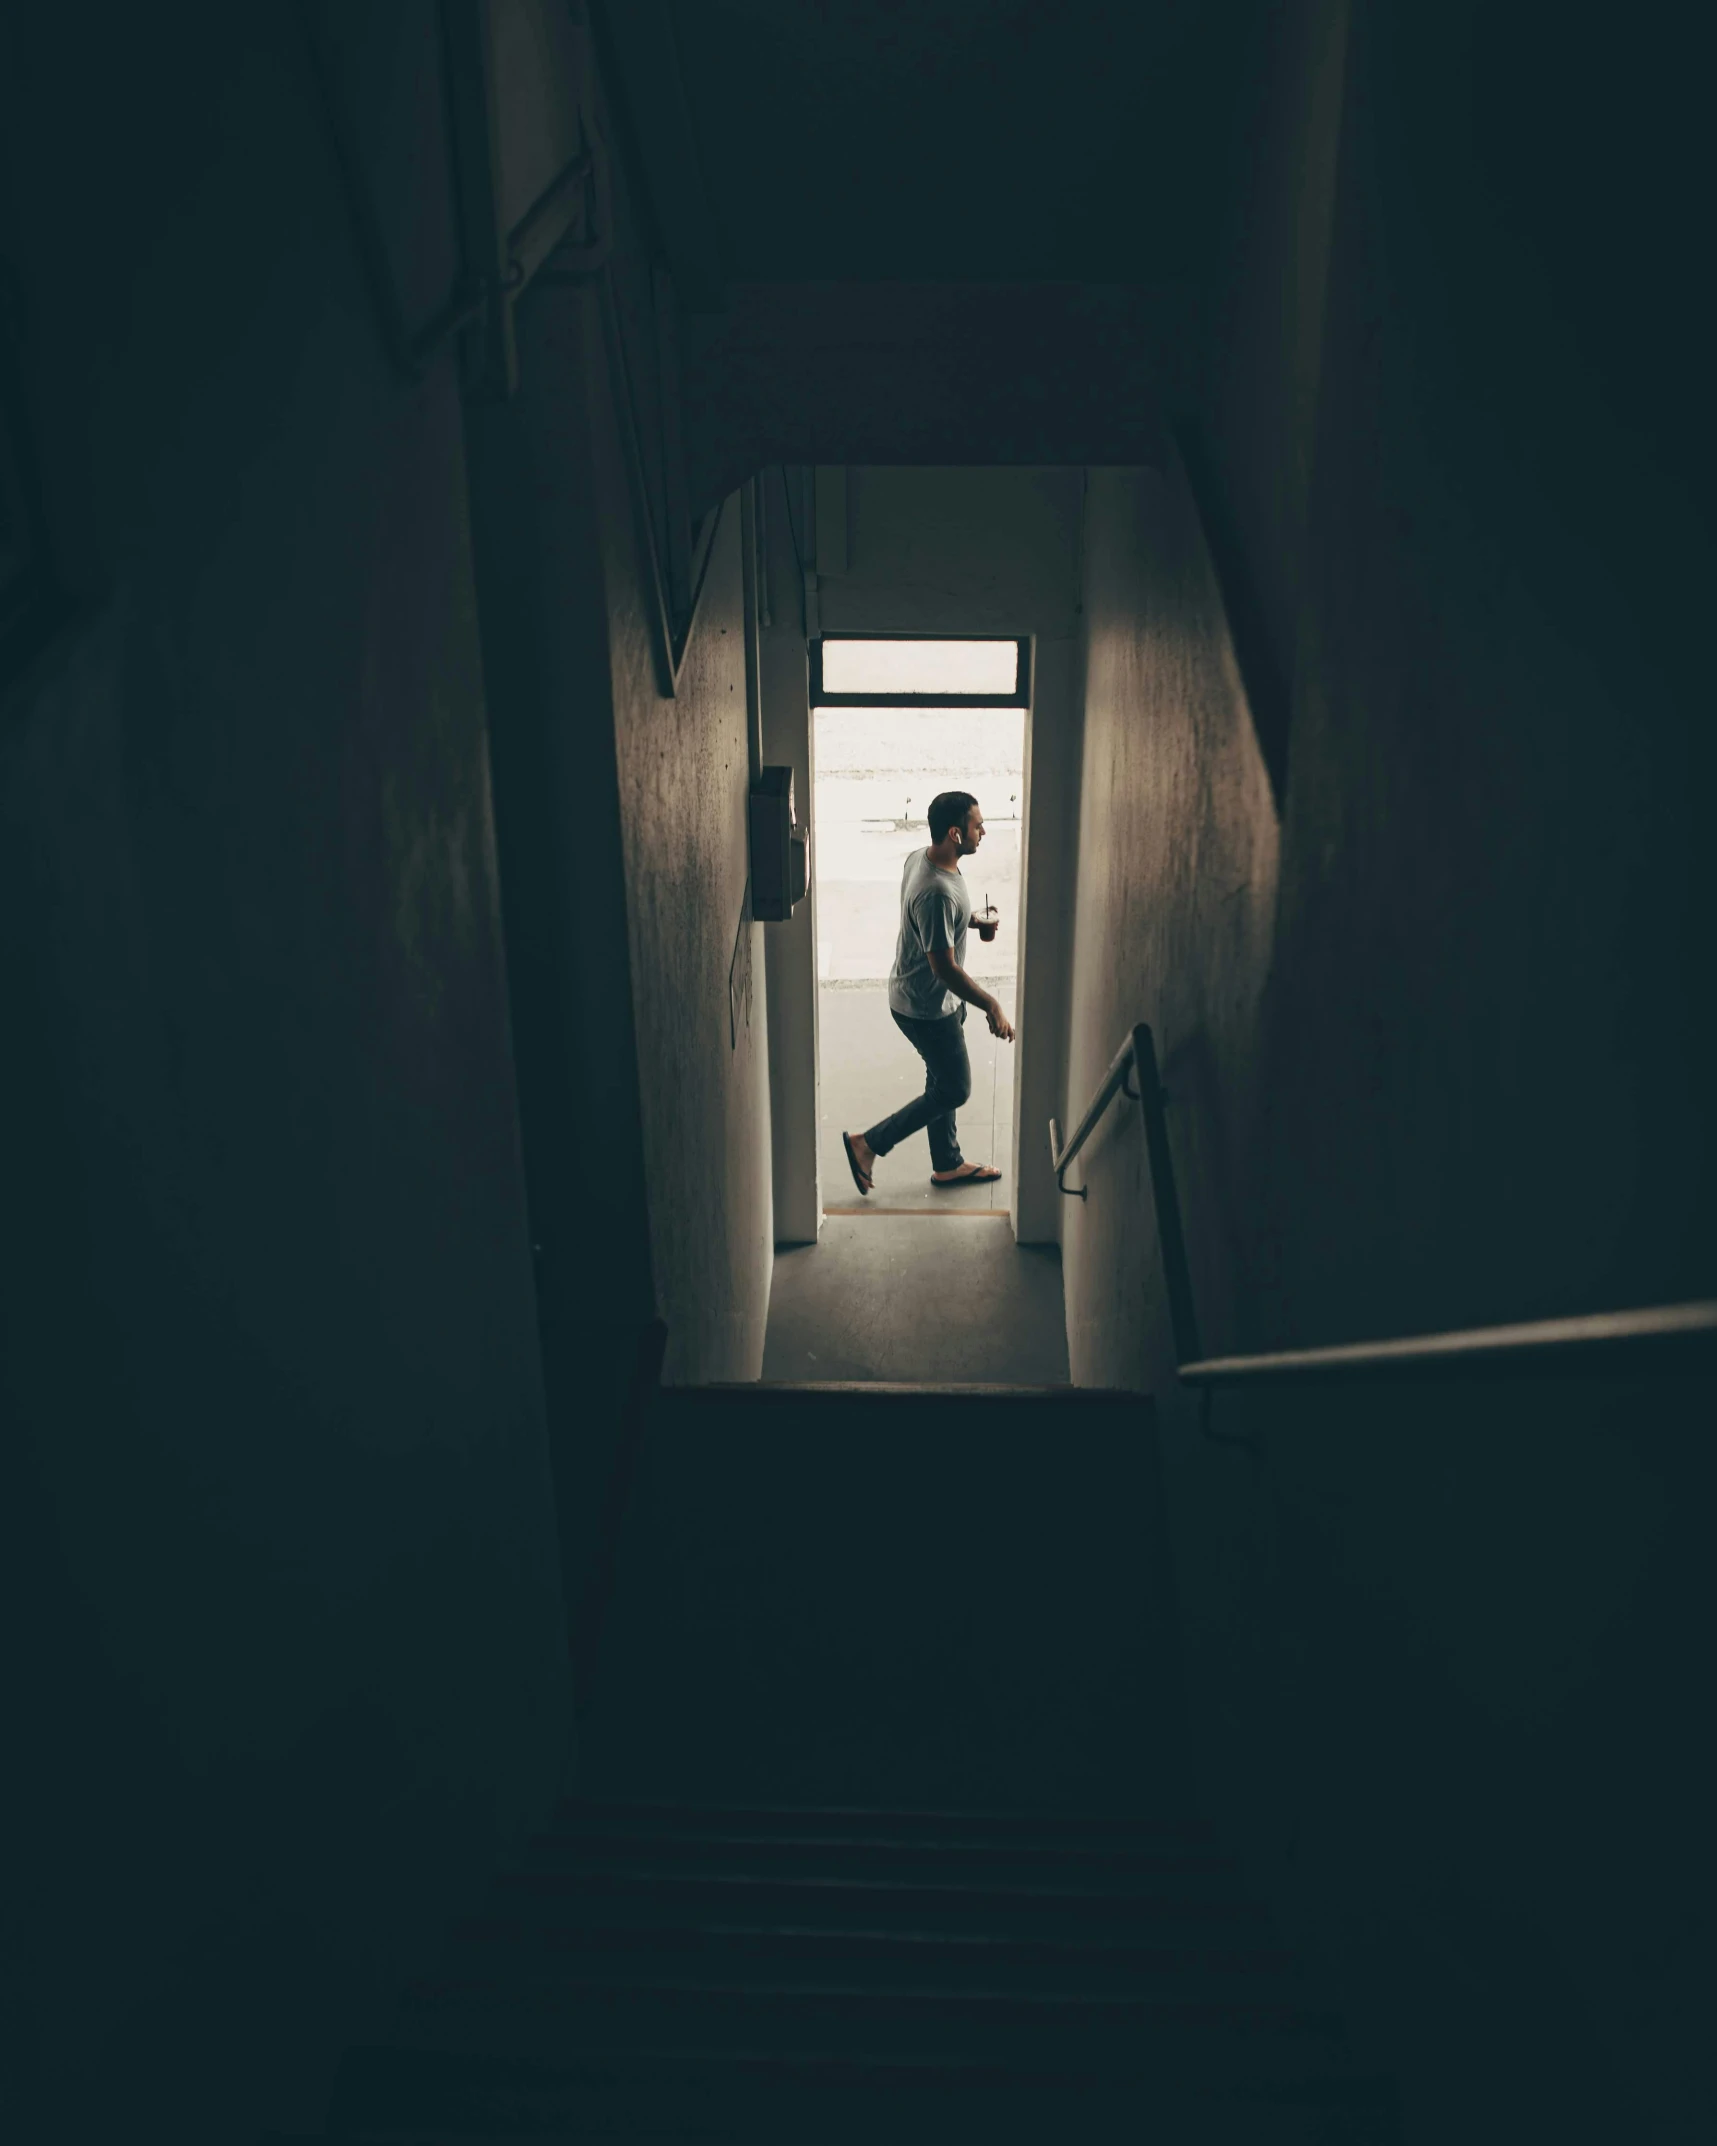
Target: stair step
[
  {"x": 1077, "y": 1869},
  {"x": 1161, "y": 2120},
  {"x": 872, "y": 1394},
  {"x": 838, "y": 1849},
  {"x": 731, "y": 1952},
  {"x": 866, "y": 1904},
  {"x": 566, "y": 2016},
  {"x": 747, "y": 2096},
  {"x": 1203, "y": 2123},
  {"x": 1045, "y": 1830}
]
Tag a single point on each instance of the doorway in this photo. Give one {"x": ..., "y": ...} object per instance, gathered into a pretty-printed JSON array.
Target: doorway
[
  {"x": 877, "y": 770},
  {"x": 915, "y": 1281}
]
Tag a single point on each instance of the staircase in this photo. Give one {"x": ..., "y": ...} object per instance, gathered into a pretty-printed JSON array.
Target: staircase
[
  {"x": 783, "y": 1907},
  {"x": 659, "y": 1972}
]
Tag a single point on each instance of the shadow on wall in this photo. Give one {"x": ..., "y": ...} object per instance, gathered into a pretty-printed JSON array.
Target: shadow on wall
[{"x": 293, "y": 1649}]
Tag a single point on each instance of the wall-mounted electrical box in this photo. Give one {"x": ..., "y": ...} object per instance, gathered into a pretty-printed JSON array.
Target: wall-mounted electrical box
[{"x": 780, "y": 848}]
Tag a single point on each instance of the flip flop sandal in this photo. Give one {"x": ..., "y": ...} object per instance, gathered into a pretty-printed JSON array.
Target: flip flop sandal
[
  {"x": 982, "y": 1175},
  {"x": 859, "y": 1178}
]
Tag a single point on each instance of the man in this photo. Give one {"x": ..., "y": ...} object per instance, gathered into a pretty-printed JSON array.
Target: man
[{"x": 928, "y": 993}]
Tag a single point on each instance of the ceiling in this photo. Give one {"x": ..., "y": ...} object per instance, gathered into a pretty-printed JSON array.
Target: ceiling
[{"x": 958, "y": 140}]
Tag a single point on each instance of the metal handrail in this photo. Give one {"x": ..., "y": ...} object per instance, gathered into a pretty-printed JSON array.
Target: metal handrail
[
  {"x": 1661, "y": 1335},
  {"x": 1119, "y": 1068},
  {"x": 1140, "y": 1051},
  {"x": 1665, "y": 1335}
]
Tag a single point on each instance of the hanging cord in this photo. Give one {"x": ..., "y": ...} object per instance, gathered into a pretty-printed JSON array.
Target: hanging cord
[
  {"x": 792, "y": 525},
  {"x": 807, "y": 575}
]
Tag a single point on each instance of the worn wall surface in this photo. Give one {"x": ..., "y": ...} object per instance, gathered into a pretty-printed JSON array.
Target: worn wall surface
[
  {"x": 286, "y": 1664},
  {"x": 790, "y": 947},
  {"x": 952, "y": 550},
  {"x": 558, "y": 812},
  {"x": 1436, "y": 1056},
  {"x": 1048, "y": 891},
  {"x": 697, "y": 956},
  {"x": 1038, "y": 375},
  {"x": 1497, "y": 766},
  {"x": 1178, "y": 856}
]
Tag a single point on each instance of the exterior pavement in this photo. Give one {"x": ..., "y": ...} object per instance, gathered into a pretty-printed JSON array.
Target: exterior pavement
[{"x": 869, "y": 1069}]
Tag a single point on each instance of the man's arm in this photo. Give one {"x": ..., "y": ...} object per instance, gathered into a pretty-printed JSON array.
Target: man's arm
[{"x": 948, "y": 972}]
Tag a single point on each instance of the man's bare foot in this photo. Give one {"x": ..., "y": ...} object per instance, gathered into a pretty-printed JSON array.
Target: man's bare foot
[{"x": 967, "y": 1171}]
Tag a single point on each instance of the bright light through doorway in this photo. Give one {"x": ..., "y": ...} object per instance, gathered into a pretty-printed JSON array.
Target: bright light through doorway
[
  {"x": 876, "y": 772},
  {"x": 920, "y": 666}
]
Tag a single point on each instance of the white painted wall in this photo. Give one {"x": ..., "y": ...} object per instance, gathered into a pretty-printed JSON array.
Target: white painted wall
[{"x": 1049, "y": 865}]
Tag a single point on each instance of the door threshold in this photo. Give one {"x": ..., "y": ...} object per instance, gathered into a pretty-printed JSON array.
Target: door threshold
[{"x": 941, "y": 1214}]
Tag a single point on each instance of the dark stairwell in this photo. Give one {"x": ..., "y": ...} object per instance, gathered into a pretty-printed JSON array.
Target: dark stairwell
[
  {"x": 432, "y": 438},
  {"x": 888, "y": 1831}
]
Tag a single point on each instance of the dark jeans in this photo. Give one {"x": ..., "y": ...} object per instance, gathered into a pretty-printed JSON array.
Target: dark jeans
[{"x": 948, "y": 1081}]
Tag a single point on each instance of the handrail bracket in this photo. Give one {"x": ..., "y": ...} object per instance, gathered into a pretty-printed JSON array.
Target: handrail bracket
[
  {"x": 1059, "y": 1162},
  {"x": 1138, "y": 1055}
]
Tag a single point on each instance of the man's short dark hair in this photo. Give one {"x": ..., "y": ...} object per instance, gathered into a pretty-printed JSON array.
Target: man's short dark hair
[{"x": 949, "y": 810}]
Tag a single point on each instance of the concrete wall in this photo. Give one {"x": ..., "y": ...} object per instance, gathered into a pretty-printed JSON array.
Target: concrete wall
[
  {"x": 790, "y": 948},
  {"x": 1433, "y": 1056},
  {"x": 287, "y": 1669},
  {"x": 1048, "y": 892},
  {"x": 877, "y": 375},
  {"x": 557, "y": 801},
  {"x": 696, "y": 955},
  {"x": 1490, "y": 895},
  {"x": 1175, "y": 911},
  {"x": 953, "y": 550}
]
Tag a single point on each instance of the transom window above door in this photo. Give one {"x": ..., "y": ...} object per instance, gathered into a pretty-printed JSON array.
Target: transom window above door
[{"x": 897, "y": 670}]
